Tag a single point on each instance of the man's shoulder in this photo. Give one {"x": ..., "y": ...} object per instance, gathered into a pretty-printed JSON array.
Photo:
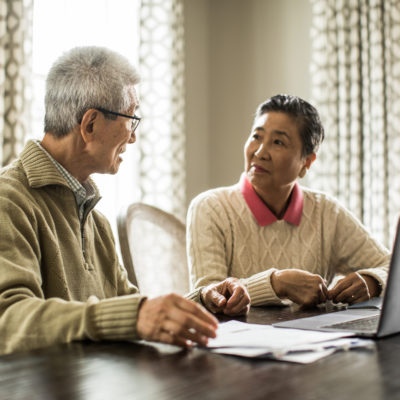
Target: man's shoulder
[{"x": 12, "y": 178}]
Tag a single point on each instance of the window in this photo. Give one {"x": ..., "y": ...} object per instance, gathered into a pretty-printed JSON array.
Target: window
[{"x": 63, "y": 24}]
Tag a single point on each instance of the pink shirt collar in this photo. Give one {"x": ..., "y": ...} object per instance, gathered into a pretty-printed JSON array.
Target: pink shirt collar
[{"x": 263, "y": 215}]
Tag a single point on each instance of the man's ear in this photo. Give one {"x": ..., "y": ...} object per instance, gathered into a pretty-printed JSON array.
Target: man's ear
[{"x": 87, "y": 127}]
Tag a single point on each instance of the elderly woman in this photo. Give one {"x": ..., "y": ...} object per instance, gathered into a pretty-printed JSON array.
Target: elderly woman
[{"x": 283, "y": 241}]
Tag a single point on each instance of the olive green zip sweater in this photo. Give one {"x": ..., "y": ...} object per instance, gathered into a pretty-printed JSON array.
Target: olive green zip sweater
[{"x": 59, "y": 281}]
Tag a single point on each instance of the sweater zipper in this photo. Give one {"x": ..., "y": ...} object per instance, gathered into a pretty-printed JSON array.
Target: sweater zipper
[
  {"x": 83, "y": 241},
  {"x": 85, "y": 215}
]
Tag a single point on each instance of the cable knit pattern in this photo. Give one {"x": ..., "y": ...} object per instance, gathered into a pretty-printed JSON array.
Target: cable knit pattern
[
  {"x": 56, "y": 287},
  {"x": 224, "y": 239}
]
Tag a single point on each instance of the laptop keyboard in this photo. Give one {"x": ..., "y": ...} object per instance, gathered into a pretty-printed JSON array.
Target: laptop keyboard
[{"x": 369, "y": 324}]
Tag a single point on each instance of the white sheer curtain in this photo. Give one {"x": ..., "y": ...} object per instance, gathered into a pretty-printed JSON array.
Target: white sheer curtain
[
  {"x": 356, "y": 87},
  {"x": 161, "y": 139},
  {"x": 15, "y": 76}
]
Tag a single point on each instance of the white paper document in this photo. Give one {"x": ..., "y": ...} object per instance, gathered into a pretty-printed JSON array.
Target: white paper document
[{"x": 295, "y": 345}]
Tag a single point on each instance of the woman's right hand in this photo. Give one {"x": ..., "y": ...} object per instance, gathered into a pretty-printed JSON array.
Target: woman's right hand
[{"x": 299, "y": 286}]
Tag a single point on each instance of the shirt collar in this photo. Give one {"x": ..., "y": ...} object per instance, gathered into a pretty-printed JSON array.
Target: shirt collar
[
  {"x": 263, "y": 215},
  {"x": 81, "y": 192}
]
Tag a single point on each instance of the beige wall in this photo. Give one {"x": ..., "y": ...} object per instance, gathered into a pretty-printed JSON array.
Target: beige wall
[{"x": 238, "y": 53}]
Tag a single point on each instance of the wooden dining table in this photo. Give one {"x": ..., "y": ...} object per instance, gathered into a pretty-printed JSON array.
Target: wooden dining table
[{"x": 142, "y": 370}]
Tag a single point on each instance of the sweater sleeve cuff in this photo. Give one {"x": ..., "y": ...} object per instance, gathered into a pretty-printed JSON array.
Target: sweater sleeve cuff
[
  {"x": 195, "y": 295},
  {"x": 379, "y": 273},
  {"x": 260, "y": 289},
  {"x": 114, "y": 318}
]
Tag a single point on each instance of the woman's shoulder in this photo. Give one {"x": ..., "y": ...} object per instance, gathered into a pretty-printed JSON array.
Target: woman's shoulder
[
  {"x": 326, "y": 202},
  {"x": 217, "y": 198},
  {"x": 317, "y": 195},
  {"x": 217, "y": 194}
]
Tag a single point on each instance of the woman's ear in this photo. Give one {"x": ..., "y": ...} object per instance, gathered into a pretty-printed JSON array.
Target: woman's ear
[
  {"x": 87, "y": 127},
  {"x": 310, "y": 159},
  {"x": 307, "y": 164}
]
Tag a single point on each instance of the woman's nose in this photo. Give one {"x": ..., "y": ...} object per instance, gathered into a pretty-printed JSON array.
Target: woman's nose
[{"x": 262, "y": 151}]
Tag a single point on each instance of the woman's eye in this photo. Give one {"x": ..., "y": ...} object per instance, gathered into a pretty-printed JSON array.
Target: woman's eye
[
  {"x": 256, "y": 136},
  {"x": 279, "y": 142}
]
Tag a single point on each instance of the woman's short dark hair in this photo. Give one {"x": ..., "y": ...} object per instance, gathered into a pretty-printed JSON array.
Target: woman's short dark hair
[{"x": 310, "y": 126}]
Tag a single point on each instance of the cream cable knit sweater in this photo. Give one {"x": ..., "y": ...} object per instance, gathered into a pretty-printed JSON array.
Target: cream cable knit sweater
[{"x": 224, "y": 239}]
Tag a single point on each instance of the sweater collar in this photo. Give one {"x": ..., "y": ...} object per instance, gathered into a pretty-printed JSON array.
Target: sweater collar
[
  {"x": 41, "y": 171},
  {"x": 38, "y": 167},
  {"x": 263, "y": 215}
]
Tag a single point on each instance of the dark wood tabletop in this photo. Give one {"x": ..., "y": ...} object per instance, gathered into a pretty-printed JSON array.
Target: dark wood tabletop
[{"x": 87, "y": 371}]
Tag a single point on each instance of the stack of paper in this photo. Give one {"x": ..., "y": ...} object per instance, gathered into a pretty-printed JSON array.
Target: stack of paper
[{"x": 295, "y": 345}]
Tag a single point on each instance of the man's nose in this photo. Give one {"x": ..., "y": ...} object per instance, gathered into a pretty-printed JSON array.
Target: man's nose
[{"x": 132, "y": 138}]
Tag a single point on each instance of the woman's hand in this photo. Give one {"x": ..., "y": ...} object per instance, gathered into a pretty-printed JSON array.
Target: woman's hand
[
  {"x": 354, "y": 288},
  {"x": 229, "y": 297},
  {"x": 299, "y": 286}
]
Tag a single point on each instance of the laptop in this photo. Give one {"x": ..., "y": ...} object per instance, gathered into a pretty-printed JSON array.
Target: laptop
[{"x": 366, "y": 319}]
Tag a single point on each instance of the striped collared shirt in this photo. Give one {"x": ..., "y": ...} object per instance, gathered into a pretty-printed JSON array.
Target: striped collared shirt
[{"x": 83, "y": 192}]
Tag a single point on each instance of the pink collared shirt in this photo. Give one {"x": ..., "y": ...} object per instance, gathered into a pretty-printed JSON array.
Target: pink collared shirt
[{"x": 263, "y": 215}]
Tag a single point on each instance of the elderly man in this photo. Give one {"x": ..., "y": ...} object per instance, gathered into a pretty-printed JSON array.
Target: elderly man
[{"x": 60, "y": 279}]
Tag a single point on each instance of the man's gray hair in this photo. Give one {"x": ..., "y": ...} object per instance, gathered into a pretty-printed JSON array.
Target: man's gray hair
[{"x": 84, "y": 78}]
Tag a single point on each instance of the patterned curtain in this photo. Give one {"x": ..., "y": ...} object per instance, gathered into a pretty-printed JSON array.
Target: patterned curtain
[
  {"x": 356, "y": 87},
  {"x": 161, "y": 139},
  {"x": 15, "y": 76}
]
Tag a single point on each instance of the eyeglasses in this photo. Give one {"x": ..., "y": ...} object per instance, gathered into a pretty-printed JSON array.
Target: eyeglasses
[{"x": 134, "y": 118}]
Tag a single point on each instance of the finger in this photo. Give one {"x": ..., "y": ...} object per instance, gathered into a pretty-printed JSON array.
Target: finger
[
  {"x": 171, "y": 338},
  {"x": 236, "y": 297},
  {"x": 322, "y": 293},
  {"x": 197, "y": 310},
  {"x": 324, "y": 289},
  {"x": 232, "y": 284},
  {"x": 238, "y": 302},
  {"x": 357, "y": 290},
  {"x": 359, "y": 299},
  {"x": 321, "y": 298},
  {"x": 364, "y": 286},
  {"x": 218, "y": 299},
  {"x": 187, "y": 320},
  {"x": 212, "y": 304},
  {"x": 240, "y": 308},
  {"x": 359, "y": 296},
  {"x": 184, "y": 335},
  {"x": 342, "y": 285},
  {"x": 347, "y": 296}
]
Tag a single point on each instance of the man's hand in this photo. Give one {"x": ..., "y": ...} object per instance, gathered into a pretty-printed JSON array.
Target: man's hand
[
  {"x": 354, "y": 288},
  {"x": 175, "y": 320},
  {"x": 229, "y": 297},
  {"x": 301, "y": 287}
]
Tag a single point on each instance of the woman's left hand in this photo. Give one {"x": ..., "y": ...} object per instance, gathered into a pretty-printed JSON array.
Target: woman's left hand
[
  {"x": 229, "y": 297},
  {"x": 354, "y": 288}
]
